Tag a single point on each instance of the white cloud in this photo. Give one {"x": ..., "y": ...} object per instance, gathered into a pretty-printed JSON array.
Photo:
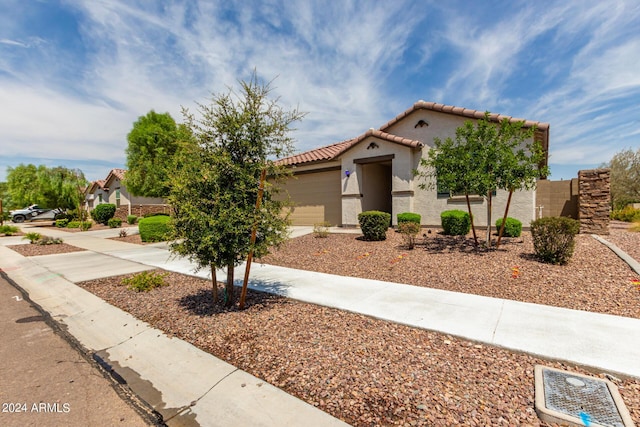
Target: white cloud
[{"x": 339, "y": 61}]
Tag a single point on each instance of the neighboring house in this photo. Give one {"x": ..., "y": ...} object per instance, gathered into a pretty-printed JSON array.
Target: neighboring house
[
  {"x": 375, "y": 171},
  {"x": 96, "y": 194},
  {"x": 112, "y": 190}
]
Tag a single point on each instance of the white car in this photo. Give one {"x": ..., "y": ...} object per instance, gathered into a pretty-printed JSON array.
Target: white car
[{"x": 34, "y": 213}]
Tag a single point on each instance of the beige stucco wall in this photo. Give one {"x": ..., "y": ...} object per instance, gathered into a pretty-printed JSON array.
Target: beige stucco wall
[
  {"x": 402, "y": 166},
  {"x": 427, "y": 203},
  {"x": 407, "y": 196}
]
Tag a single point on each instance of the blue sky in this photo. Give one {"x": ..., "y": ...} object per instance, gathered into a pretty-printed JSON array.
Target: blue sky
[{"x": 76, "y": 74}]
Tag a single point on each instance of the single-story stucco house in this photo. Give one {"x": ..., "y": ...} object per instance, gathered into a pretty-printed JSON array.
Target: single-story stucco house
[
  {"x": 375, "y": 171},
  {"x": 112, "y": 190}
]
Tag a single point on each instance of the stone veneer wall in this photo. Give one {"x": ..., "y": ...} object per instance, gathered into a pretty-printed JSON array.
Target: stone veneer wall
[{"x": 594, "y": 200}]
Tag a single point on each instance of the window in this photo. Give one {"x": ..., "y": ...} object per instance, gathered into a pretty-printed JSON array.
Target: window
[
  {"x": 99, "y": 198},
  {"x": 444, "y": 192},
  {"x": 117, "y": 197}
]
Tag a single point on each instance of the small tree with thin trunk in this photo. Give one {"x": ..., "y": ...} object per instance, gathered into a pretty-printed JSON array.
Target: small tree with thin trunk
[
  {"x": 215, "y": 184},
  {"x": 625, "y": 177},
  {"x": 484, "y": 157}
]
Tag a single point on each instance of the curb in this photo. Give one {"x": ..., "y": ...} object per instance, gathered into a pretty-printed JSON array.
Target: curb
[{"x": 635, "y": 265}]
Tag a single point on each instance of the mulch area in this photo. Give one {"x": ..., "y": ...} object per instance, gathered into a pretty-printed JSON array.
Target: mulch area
[
  {"x": 36, "y": 250},
  {"x": 370, "y": 372},
  {"x": 365, "y": 371}
]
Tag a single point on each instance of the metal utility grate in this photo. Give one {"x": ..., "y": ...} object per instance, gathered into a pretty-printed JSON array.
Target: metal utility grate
[{"x": 578, "y": 399}]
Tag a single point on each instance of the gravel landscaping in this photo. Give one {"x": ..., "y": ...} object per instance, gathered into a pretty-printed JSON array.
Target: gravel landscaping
[
  {"x": 35, "y": 250},
  {"x": 371, "y": 372},
  {"x": 595, "y": 279}
]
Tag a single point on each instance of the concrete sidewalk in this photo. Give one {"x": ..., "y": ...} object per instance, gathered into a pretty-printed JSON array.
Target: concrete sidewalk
[
  {"x": 609, "y": 343},
  {"x": 187, "y": 386}
]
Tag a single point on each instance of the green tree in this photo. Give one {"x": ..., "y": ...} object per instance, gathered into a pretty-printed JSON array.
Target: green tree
[
  {"x": 5, "y": 202},
  {"x": 22, "y": 185},
  {"x": 215, "y": 183},
  {"x": 152, "y": 145},
  {"x": 485, "y": 156},
  {"x": 625, "y": 177},
  {"x": 57, "y": 187}
]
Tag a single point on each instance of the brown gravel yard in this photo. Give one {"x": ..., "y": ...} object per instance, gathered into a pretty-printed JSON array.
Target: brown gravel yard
[
  {"x": 595, "y": 279},
  {"x": 371, "y": 372},
  {"x": 35, "y": 250}
]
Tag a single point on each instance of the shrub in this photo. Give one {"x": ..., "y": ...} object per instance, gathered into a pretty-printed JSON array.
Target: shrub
[
  {"x": 103, "y": 213},
  {"x": 374, "y": 224},
  {"x": 409, "y": 230},
  {"x": 131, "y": 219},
  {"x": 554, "y": 238},
  {"x": 512, "y": 227},
  {"x": 455, "y": 222},
  {"x": 46, "y": 240},
  {"x": 114, "y": 222},
  {"x": 628, "y": 214},
  {"x": 409, "y": 217},
  {"x": 62, "y": 223},
  {"x": 154, "y": 228},
  {"x": 150, "y": 214},
  {"x": 32, "y": 237},
  {"x": 145, "y": 281},
  {"x": 321, "y": 229},
  {"x": 77, "y": 224},
  {"x": 8, "y": 230},
  {"x": 123, "y": 233},
  {"x": 74, "y": 215}
]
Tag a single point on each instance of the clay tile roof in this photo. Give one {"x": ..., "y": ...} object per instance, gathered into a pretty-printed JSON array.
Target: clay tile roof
[
  {"x": 321, "y": 154},
  {"x": 94, "y": 185},
  {"x": 330, "y": 152},
  {"x": 115, "y": 173},
  {"x": 119, "y": 173},
  {"x": 460, "y": 111}
]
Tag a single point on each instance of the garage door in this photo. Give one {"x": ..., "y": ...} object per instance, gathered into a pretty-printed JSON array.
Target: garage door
[{"x": 316, "y": 198}]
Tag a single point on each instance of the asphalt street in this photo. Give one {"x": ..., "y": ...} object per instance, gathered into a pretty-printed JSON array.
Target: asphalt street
[{"x": 47, "y": 380}]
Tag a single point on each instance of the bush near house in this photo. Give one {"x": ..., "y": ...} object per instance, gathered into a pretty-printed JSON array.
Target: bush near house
[
  {"x": 409, "y": 217},
  {"x": 455, "y": 222},
  {"x": 628, "y": 214},
  {"x": 103, "y": 213},
  {"x": 154, "y": 228},
  {"x": 554, "y": 238},
  {"x": 77, "y": 224},
  {"x": 131, "y": 219},
  {"x": 409, "y": 231},
  {"x": 62, "y": 223},
  {"x": 374, "y": 224},
  {"x": 114, "y": 222},
  {"x": 512, "y": 227},
  {"x": 8, "y": 230}
]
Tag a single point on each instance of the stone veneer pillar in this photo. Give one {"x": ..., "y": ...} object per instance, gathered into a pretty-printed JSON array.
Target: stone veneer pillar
[{"x": 594, "y": 203}]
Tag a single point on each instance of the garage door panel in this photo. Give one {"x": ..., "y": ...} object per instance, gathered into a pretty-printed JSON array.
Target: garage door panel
[{"x": 316, "y": 198}]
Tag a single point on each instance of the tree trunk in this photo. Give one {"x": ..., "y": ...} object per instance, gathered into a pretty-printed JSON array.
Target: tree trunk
[
  {"x": 214, "y": 284},
  {"x": 504, "y": 219},
  {"x": 489, "y": 219},
  {"x": 229, "y": 300},
  {"x": 473, "y": 226}
]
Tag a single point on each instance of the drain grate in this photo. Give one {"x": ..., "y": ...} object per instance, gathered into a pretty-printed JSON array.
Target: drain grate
[{"x": 563, "y": 396}]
